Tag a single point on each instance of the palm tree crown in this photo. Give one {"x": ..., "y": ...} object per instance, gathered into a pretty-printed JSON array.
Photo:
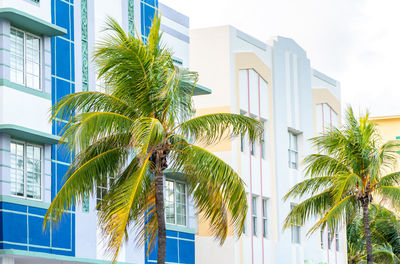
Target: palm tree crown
[
  {"x": 136, "y": 130},
  {"x": 385, "y": 236},
  {"x": 351, "y": 167}
]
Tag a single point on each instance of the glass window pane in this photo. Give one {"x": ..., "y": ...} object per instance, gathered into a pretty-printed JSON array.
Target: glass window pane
[
  {"x": 32, "y": 61},
  {"x": 254, "y": 205},
  {"x": 254, "y": 225},
  {"x": 170, "y": 202},
  {"x": 337, "y": 241},
  {"x": 17, "y": 168},
  {"x": 16, "y": 56},
  {"x": 265, "y": 228},
  {"x": 264, "y": 208},
  {"x": 33, "y": 172}
]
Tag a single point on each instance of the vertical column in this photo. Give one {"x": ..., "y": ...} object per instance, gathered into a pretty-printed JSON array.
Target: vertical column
[
  {"x": 5, "y": 164},
  {"x": 250, "y": 173},
  {"x": 62, "y": 83},
  {"x": 131, "y": 17},
  {"x": 84, "y": 43},
  {"x": 4, "y": 50},
  {"x": 261, "y": 175}
]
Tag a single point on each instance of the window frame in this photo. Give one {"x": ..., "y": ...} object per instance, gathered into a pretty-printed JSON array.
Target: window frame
[
  {"x": 25, "y": 143},
  {"x": 254, "y": 217},
  {"x": 107, "y": 188},
  {"x": 293, "y": 165},
  {"x": 186, "y": 203},
  {"x": 330, "y": 240},
  {"x": 265, "y": 217},
  {"x": 295, "y": 228},
  {"x": 337, "y": 241},
  {"x": 262, "y": 141},
  {"x": 322, "y": 235},
  {"x": 25, "y": 59}
]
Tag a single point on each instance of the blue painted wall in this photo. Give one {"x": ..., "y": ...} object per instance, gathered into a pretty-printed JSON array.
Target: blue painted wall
[
  {"x": 63, "y": 83},
  {"x": 22, "y": 229},
  {"x": 148, "y": 9},
  {"x": 180, "y": 248}
]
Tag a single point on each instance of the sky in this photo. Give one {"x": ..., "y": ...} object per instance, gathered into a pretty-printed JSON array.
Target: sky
[{"x": 356, "y": 42}]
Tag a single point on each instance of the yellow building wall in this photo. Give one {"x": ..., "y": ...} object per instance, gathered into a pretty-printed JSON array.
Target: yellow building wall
[{"x": 388, "y": 127}]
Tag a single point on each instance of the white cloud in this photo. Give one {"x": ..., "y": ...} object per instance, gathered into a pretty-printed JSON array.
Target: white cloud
[{"x": 354, "y": 41}]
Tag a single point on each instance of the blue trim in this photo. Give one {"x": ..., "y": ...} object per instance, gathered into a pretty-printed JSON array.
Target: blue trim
[
  {"x": 174, "y": 15},
  {"x": 251, "y": 40},
  {"x": 175, "y": 33}
]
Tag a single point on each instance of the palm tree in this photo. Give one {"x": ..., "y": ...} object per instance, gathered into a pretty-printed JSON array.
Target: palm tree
[
  {"x": 142, "y": 126},
  {"x": 385, "y": 236},
  {"x": 350, "y": 168}
]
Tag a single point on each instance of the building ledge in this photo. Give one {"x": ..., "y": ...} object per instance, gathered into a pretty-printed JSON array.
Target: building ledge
[
  {"x": 201, "y": 90},
  {"x": 29, "y": 134},
  {"x": 24, "y": 201},
  {"x": 183, "y": 229},
  {"x": 30, "y": 23},
  {"x": 41, "y": 256}
]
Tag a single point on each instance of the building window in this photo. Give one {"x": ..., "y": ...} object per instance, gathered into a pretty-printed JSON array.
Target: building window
[
  {"x": 25, "y": 59},
  {"x": 330, "y": 237},
  {"x": 293, "y": 150},
  {"x": 103, "y": 187},
  {"x": 327, "y": 118},
  {"x": 322, "y": 239},
  {"x": 241, "y": 143},
  {"x": 254, "y": 214},
  {"x": 295, "y": 230},
  {"x": 263, "y": 141},
  {"x": 264, "y": 215},
  {"x": 175, "y": 203},
  {"x": 26, "y": 170},
  {"x": 337, "y": 241}
]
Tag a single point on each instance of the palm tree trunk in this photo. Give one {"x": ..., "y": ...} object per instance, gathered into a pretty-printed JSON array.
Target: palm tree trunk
[
  {"x": 367, "y": 229},
  {"x": 159, "y": 189}
]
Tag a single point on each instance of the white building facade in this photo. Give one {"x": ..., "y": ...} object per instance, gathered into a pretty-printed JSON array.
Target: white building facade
[{"x": 275, "y": 84}]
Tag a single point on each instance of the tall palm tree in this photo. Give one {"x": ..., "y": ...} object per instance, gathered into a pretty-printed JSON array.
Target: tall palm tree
[
  {"x": 385, "y": 236},
  {"x": 140, "y": 127},
  {"x": 350, "y": 168}
]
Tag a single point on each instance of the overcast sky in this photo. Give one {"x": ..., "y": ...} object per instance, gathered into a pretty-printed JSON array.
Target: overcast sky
[{"x": 356, "y": 42}]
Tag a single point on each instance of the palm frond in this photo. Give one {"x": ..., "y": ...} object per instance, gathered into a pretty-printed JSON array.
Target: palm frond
[
  {"x": 205, "y": 173},
  {"x": 211, "y": 128},
  {"x": 81, "y": 179},
  {"x": 115, "y": 212},
  {"x": 310, "y": 187}
]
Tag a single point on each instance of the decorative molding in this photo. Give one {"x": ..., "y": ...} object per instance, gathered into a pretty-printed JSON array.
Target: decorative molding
[
  {"x": 53, "y": 257},
  {"x": 29, "y": 134},
  {"x": 85, "y": 204},
  {"x": 131, "y": 17},
  {"x": 31, "y": 23},
  {"x": 24, "y": 201},
  {"x": 177, "y": 228},
  {"x": 22, "y": 88},
  {"x": 85, "y": 46}
]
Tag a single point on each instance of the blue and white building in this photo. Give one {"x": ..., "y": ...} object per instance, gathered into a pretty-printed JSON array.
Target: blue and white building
[{"x": 45, "y": 54}]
